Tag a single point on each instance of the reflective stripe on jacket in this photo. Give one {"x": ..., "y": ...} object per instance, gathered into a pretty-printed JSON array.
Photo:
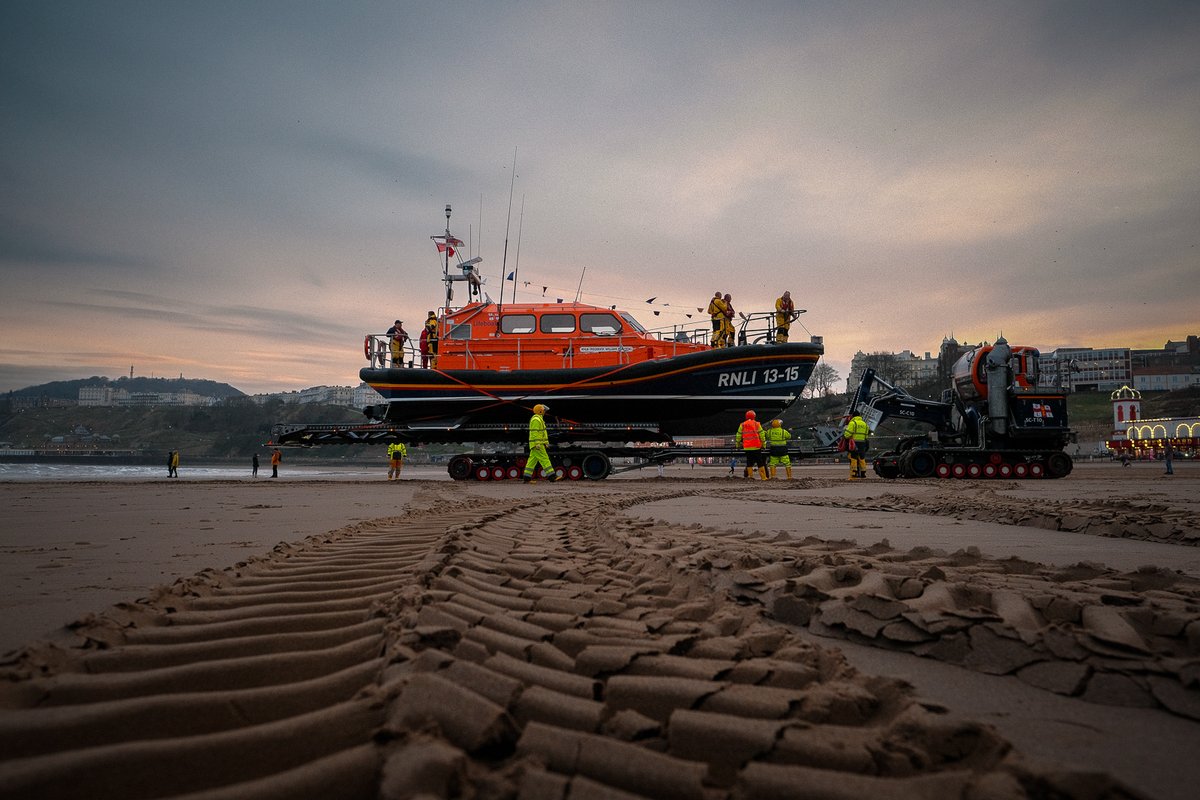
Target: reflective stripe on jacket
[
  {"x": 778, "y": 436},
  {"x": 857, "y": 429},
  {"x": 749, "y": 435},
  {"x": 537, "y": 432}
]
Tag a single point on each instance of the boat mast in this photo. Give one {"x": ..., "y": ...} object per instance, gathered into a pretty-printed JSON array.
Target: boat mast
[{"x": 446, "y": 263}]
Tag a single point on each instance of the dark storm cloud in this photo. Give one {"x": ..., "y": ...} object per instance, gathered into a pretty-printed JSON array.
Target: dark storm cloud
[
  {"x": 290, "y": 325},
  {"x": 242, "y": 168}
]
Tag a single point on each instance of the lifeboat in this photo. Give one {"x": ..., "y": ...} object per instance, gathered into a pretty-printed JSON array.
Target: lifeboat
[{"x": 592, "y": 365}]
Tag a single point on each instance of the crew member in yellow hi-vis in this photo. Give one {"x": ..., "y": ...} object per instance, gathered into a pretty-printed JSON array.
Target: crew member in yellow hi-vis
[
  {"x": 716, "y": 310},
  {"x": 749, "y": 438},
  {"x": 777, "y": 438},
  {"x": 397, "y": 452},
  {"x": 855, "y": 435},
  {"x": 785, "y": 314},
  {"x": 538, "y": 439},
  {"x": 431, "y": 337}
]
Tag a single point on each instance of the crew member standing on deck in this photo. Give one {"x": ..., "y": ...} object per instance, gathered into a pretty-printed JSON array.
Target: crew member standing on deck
[
  {"x": 431, "y": 328},
  {"x": 423, "y": 341},
  {"x": 538, "y": 439},
  {"x": 716, "y": 310},
  {"x": 397, "y": 336},
  {"x": 855, "y": 436},
  {"x": 750, "y": 438},
  {"x": 397, "y": 452},
  {"x": 727, "y": 323},
  {"x": 777, "y": 438},
  {"x": 785, "y": 314}
]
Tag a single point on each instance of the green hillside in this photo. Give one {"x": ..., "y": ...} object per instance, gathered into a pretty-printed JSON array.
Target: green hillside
[
  {"x": 235, "y": 428},
  {"x": 69, "y": 390}
]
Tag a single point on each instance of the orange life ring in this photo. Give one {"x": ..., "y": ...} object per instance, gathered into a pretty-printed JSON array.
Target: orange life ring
[{"x": 367, "y": 346}]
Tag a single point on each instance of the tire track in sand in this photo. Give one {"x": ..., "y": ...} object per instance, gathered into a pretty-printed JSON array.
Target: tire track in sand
[{"x": 522, "y": 649}]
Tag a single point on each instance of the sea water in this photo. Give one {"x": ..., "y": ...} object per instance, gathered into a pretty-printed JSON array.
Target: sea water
[{"x": 133, "y": 472}]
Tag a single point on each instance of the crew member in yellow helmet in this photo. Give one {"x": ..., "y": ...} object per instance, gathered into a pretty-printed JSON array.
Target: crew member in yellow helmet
[
  {"x": 538, "y": 439},
  {"x": 777, "y": 438}
]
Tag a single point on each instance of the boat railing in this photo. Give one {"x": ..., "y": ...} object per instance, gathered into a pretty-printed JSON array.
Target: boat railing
[
  {"x": 757, "y": 327},
  {"x": 377, "y": 347},
  {"x": 483, "y": 353}
]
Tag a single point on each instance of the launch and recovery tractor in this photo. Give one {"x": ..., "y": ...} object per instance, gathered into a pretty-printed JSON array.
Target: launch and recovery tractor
[{"x": 994, "y": 421}]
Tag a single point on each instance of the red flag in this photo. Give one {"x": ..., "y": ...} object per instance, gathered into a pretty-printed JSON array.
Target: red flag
[{"x": 446, "y": 243}]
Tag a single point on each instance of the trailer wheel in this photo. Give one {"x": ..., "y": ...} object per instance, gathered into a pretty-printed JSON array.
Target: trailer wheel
[
  {"x": 1058, "y": 465},
  {"x": 921, "y": 464},
  {"x": 499, "y": 473},
  {"x": 1021, "y": 469},
  {"x": 974, "y": 470},
  {"x": 596, "y": 466},
  {"x": 483, "y": 473},
  {"x": 1005, "y": 469},
  {"x": 574, "y": 472},
  {"x": 958, "y": 470},
  {"x": 460, "y": 467},
  {"x": 943, "y": 470},
  {"x": 990, "y": 470},
  {"x": 514, "y": 472},
  {"x": 1036, "y": 470}
]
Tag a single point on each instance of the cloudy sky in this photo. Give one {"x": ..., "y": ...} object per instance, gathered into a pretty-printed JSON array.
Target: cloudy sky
[{"x": 240, "y": 190}]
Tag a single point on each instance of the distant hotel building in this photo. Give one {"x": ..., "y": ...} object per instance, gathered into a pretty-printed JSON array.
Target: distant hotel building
[
  {"x": 109, "y": 396},
  {"x": 352, "y": 397},
  {"x": 1079, "y": 369}
]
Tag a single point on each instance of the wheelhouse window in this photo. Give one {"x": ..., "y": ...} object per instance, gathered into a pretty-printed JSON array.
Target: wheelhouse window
[
  {"x": 459, "y": 332},
  {"x": 633, "y": 323},
  {"x": 558, "y": 323},
  {"x": 600, "y": 324},
  {"x": 518, "y": 323}
]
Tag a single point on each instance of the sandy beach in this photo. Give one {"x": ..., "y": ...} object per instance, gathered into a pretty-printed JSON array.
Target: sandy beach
[{"x": 675, "y": 636}]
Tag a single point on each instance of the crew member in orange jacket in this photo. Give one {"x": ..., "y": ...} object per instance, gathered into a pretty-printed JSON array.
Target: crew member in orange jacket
[{"x": 750, "y": 439}]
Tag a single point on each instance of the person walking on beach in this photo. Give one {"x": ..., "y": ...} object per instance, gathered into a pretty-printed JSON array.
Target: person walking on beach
[
  {"x": 254, "y": 466},
  {"x": 1168, "y": 455},
  {"x": 538, "y": 439},
  {"x": 170, "y": 466},
  {"x": 750, "y": 438},
  {"x": 856, "y": 443},
  {"x": 777, "y": 438},
  {"x": 276, "y": 457},
  {"x": 397, "y": 452}
]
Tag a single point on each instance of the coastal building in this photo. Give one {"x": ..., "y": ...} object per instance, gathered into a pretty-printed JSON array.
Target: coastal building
[
  {"x": 327, "y": 395},
  {"x": 104, "y": 395},
  {"x": 365, "y": 396},
  {"x": 1140, "y": 437},
  {"x": 906, "y": 368},
  {"x": 1087, "y": 369}
]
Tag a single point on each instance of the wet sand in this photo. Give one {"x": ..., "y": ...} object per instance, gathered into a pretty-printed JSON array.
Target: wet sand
[{"x": 661, "y": 637}]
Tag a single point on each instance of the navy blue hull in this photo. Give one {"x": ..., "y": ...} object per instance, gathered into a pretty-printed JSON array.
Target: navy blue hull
[{"x": 695, "y": 394}]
